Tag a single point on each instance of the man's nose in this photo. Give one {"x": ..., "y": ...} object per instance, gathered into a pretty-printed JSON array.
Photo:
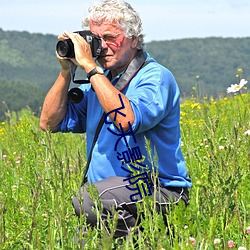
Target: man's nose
[{"x": 104, "y": 44}]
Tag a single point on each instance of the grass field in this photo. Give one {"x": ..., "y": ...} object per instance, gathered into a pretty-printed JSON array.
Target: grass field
[{"x": 40, "y": 172}]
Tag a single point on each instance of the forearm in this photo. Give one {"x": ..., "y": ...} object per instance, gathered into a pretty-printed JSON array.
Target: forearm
[{"x": 55, "y": 103}]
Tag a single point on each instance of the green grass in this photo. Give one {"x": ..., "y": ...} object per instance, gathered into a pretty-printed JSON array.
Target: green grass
[{"x": 40, "y": 172}]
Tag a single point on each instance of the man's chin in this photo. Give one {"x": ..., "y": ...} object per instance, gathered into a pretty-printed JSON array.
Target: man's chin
[{"x": 104, "y": 63}]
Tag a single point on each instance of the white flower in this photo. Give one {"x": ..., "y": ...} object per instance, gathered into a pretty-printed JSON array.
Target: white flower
[
  {"x": 237, "y": 87},
  {"x": 217, "y": 241},
  {"x": 22, "y": 210},
  {"x": 246, "y": 133},
  {"x": 242, "y": 248}
]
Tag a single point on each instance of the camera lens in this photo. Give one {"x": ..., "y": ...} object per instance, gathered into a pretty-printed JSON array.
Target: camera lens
[
  {"x": 65, "y": 48},
  {"x": 75, "y": 95}
]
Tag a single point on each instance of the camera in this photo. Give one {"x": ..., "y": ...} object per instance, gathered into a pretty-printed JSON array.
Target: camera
[{"x": 65, "y": 48}]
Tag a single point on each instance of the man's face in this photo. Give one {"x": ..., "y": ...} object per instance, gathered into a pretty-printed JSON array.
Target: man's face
[{"x": 118, "y": 50}]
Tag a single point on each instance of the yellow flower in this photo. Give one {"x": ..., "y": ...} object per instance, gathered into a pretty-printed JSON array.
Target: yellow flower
[
  {"x": 195, "y": 105},
  {"x": 240, "y": 70}
]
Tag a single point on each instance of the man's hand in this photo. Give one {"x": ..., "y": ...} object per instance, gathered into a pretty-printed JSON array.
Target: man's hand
[
  {"x": 66, "y": 63},
  {"x": 83, "y": 54}
]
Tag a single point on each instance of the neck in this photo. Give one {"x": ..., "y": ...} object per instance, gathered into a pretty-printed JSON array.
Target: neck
[{"x": 117, "y": 71}]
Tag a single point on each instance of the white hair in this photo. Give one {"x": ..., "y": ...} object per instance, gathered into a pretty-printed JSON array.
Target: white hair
[{"x": 120, "y": 13}]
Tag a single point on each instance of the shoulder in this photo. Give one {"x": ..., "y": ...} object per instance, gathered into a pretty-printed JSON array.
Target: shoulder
[{"x": 153, "y": 70}]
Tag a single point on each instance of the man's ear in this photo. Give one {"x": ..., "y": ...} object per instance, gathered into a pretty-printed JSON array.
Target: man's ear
[{"x": 134, "y": 42}]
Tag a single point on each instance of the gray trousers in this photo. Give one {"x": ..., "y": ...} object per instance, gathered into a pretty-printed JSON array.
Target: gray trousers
[{"x": 115, "y": 196}]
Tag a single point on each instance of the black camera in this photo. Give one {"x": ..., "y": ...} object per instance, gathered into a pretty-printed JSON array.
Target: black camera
[{"x": 65, "y": 48}]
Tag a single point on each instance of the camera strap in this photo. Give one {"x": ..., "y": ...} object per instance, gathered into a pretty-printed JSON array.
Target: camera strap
[{"x": 136, "y": 64}]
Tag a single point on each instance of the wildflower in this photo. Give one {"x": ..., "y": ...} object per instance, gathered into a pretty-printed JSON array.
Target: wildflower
[
  {"x": 242, "y": 248},
  {"x": 216, "y": 241},
  {"x": 22, "y": 210},
  {"x": 240, "y": 70},
  {"x": 198, "y": 182},
  {"x": 248, "y": 230},
  {"x": 195, "y": 106},
  {"x": 45, "y": 216},
  {"x": 247, "y": 133},
  {"x": 230, "y": 244},
  {"x": 192, "y": 240},
  {"x": 221, "y": 147},
  {"x": 237, "y": 87}
]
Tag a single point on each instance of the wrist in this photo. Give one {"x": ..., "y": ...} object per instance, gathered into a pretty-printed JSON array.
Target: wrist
[
  {"x": 89, "y": 67},
  {"x": 65, "y": 73},
  {"x": 97, "y": 70}
]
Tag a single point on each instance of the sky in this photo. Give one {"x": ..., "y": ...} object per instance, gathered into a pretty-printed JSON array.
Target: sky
[{"x": 162, "y": 19}]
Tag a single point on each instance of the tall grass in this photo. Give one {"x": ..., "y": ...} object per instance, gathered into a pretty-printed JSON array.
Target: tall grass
[{"x": 40, "y": 172}]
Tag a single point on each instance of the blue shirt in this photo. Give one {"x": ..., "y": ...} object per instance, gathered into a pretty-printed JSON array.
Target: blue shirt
[{"x": 154, "y": 97}]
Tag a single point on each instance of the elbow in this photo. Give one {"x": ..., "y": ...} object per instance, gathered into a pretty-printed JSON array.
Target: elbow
[
  {"x": 125, "y": 125},
  {"x": 45, "y": 126}
]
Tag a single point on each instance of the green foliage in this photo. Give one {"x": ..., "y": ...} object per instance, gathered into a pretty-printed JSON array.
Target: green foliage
[
  {"x": 28, "y": 58},
  {"x": 40, "y": 172},
  {"x": 14, "y": 95},
  {"x": 208, "y": 62},
  {"x": 36, "y": 184}
]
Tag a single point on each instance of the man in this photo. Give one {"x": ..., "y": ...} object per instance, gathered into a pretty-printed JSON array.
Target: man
[{"x": 141, "y": 101}]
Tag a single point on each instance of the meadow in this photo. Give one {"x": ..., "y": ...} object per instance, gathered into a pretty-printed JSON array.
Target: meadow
[{"x": 40, "y": 172}]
